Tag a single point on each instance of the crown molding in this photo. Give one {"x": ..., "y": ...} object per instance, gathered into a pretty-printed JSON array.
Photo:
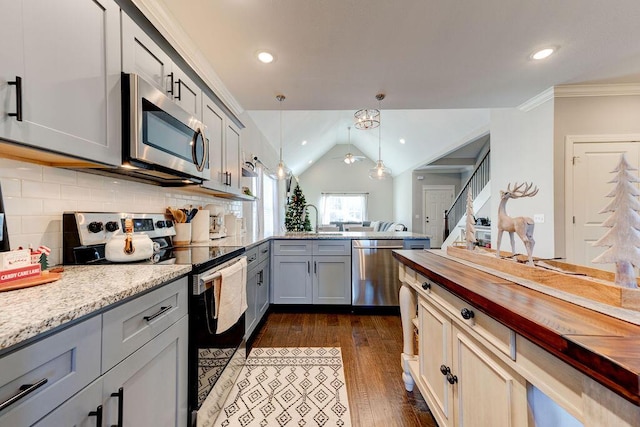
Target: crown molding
[
  {"x": 182, "y": 43},
  {"x": 619, "y": 89},
  {"x": 537, "y": 100}
]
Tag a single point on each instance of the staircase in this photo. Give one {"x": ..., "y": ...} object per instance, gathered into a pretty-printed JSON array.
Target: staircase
[{"x": 480, "y": 189}]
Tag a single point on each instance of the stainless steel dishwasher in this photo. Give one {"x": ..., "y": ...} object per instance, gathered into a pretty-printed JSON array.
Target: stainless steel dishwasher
[{"x": 374, "y": 273}]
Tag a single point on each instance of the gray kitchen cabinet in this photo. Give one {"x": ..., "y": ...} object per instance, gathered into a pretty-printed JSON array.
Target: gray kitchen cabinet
[
  {"x": 82, "y": 410},
  {"x": 139, "y": 347},
  {"x": 48, "y": 372},
  {"x": 224, "y": 149},
  {"x": 311, "y": 272},
  {"x": 62, "y": 93},
  {"x": 151, "y": 382},
  {"x": 142, "y": 56}
]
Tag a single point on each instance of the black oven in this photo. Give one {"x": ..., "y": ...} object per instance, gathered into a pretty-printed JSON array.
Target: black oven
[{"x": 215, "y": 359}]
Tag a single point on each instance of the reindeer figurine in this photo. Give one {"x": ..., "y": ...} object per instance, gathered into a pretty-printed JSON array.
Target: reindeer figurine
[{"x": 521, "y": 225}]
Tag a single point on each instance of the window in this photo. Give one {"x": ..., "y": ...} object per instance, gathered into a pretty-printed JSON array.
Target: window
[
  {"x": 269, "y": 195},
  {"x": 344, "y": 207}
]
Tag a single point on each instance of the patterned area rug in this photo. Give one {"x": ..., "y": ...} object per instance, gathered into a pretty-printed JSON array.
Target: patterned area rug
[{"x": 289, "y": 387}]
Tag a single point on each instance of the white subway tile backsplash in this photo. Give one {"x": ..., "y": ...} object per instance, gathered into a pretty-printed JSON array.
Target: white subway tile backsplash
[
  {"x": 11, "y": 187},
  {"x": 35, "y": 198},
  {"x": 21, "y": 170},
  {"x": 60, "y": 176},
  {"x": 40, "y": 190}
]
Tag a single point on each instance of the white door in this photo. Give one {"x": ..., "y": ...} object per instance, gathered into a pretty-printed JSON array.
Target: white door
[
  {"x": 586, "y": 195},
  {"x": 437, "y": 199}
]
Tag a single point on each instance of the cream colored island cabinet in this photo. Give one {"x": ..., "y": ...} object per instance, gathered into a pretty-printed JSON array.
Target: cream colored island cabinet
[
  {"x": 60, "y": 77},
  {"x": 125, "y": 367},
  {"x": 311, "y": 271}
]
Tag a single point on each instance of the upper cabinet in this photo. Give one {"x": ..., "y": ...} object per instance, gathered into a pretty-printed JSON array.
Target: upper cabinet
[
  {"x": 60, "y": 77},
  {"x": 224, "y": 149},
  {"x": 142, "y": 56}
]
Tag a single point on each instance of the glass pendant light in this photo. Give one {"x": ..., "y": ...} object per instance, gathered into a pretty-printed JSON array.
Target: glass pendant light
[
  {"x": 282, "y": 170},
  {"x": 349, "y": 158},
  {"x": 380, "y": 171}
]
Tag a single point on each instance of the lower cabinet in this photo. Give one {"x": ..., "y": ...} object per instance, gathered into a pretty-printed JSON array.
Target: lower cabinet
[
  {"x": 148, "y": 387},
  {"x": 258, "y": 285},
  {"x": 466, "y": 384},
  {"x": 142, "y": 346},
  {"x": 312, "y": 272}
]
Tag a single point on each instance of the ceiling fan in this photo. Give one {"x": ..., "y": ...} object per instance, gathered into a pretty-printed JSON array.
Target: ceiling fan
[{"x": 351, "y": 158}]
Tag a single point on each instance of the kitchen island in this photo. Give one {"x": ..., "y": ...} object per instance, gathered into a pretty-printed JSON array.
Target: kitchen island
[{"x": 487, "y": 342}]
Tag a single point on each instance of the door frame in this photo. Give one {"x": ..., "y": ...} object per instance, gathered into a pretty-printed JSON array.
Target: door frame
[
  {"x": 570, "y": 141},
  {"x": 426, "y": 188}
]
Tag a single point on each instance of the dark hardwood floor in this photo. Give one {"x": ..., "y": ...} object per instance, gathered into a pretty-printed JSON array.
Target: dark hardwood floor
[{"x": 371, "y": 347}]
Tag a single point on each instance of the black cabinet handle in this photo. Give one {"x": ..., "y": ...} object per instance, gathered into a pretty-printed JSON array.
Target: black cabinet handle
[
  {"x": 315, "y": 267},
  {"x": 308, "y": 267},
  {"x": 260, "y": 277},
  {"x": 18, "y": 84},
  {"x": 445, "y": 370},
  {"x": 159, "y": 313},
  {"x": 120, "y": 396},
  {"x": 264, "y": 251},
  {"x": 98, "y": 414},
  {"x": 426, "y": 285},
  {"x": 170, "y": 91},
  {"x": 452, "y": 378},
  {"x": 179, "y": 84},
  {"x": 467, "y": 314},
  {"x": 24, "y": 390}
]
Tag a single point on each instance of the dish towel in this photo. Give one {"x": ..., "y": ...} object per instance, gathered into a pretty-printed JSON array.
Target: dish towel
[{"x": 231, "y": 294}]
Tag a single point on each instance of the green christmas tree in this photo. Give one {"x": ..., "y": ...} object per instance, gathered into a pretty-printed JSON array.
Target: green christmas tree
[{"x": 293, "y": 220}]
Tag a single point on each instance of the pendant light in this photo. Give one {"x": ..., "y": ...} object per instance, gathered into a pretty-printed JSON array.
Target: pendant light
[
  {"x": 349, "y": 158},
  {"x": 282, "y": 170},
  {"x": 380, "y": 171}
]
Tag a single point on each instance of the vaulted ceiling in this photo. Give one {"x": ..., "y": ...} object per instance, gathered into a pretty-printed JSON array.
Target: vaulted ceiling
[{"x": 441, "y": 64}]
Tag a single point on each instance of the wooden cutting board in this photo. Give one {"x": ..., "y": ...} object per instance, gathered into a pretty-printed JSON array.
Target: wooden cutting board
[{"x": 30, "y": 281}]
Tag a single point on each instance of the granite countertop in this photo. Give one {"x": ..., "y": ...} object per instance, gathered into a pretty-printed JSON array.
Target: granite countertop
[
  {"x": 82, "y": 290},
  {"x": 248, "y": 240}
]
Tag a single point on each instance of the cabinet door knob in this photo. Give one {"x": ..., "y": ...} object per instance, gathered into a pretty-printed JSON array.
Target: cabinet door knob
[
  {"x": 452, "y": 378},
  {"x": 445, "y": 370},
  {"x": 467, "y": 314},
  {"x": 426, "y": 285}
]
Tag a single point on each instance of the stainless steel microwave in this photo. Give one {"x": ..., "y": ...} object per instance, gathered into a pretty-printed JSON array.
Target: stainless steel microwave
[{"x": 161, "y": 141}]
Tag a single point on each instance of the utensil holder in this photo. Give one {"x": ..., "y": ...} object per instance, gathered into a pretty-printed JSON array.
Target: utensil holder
[{"x": 183, "y": 234}]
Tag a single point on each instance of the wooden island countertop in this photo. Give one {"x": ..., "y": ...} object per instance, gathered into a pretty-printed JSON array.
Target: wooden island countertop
[{"x": 602, "y": 347}]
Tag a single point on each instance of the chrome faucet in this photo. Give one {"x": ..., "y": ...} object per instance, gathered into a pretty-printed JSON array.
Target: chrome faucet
[{"x": 304, "y": 209}]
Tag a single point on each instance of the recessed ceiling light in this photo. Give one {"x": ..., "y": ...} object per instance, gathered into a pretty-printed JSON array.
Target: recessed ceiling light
[
  {"x": 304, "y": 142},
  {"x": 310, "y": 161},
  {"x": 543, "y": 53},
  {"x": 265, "y": 57},
  {"x": 402, "y": 141}
]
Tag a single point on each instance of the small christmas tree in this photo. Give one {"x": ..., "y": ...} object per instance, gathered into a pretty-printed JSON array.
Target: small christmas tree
[
  {"x": 293, "y": 220},
  {"x": 623, "y": 237},
  {"x": 470, "y": 228}
]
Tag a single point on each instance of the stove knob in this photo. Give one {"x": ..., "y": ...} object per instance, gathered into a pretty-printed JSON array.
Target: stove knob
[
  {"x": 160, "y": 224},
  {"x": 95, "y": 227},
  {"x": 169, "y": 223},
  {"x": 112, "y": 226}
]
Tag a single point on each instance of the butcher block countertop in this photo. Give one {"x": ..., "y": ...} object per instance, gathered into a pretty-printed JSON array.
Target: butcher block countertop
[
  {"x": 600, "y": 346},
  {"x": 82, "y": 290}
]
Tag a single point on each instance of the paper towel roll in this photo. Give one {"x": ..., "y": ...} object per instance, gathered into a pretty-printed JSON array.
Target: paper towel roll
[{"x": 200, "y": 227}]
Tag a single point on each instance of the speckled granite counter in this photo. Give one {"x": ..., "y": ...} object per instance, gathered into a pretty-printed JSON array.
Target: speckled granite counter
[
  {"x": 248, "y": 240},
  {"x": 82, "y": 290}
]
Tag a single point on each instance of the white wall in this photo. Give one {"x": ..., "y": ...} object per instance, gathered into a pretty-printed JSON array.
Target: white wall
[
  {"x": 36, "y": 196},
  {"x": 522, "y": 150},
  {"x": 589, "y": 115},
  {"x": 403, "y": 200},
  {"x": 330, "y": 174}
]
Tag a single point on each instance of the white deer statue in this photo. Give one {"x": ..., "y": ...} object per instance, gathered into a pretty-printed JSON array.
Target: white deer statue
[{"x": 521, "y": 225}]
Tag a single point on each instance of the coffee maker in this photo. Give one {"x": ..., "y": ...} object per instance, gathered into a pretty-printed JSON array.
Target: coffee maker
[{"x": 216, "y": 222}]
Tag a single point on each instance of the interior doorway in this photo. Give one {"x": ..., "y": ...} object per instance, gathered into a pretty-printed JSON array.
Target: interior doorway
[
  {"x": 589, "y": 162},
  {"x": 436, "y": 199}
]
